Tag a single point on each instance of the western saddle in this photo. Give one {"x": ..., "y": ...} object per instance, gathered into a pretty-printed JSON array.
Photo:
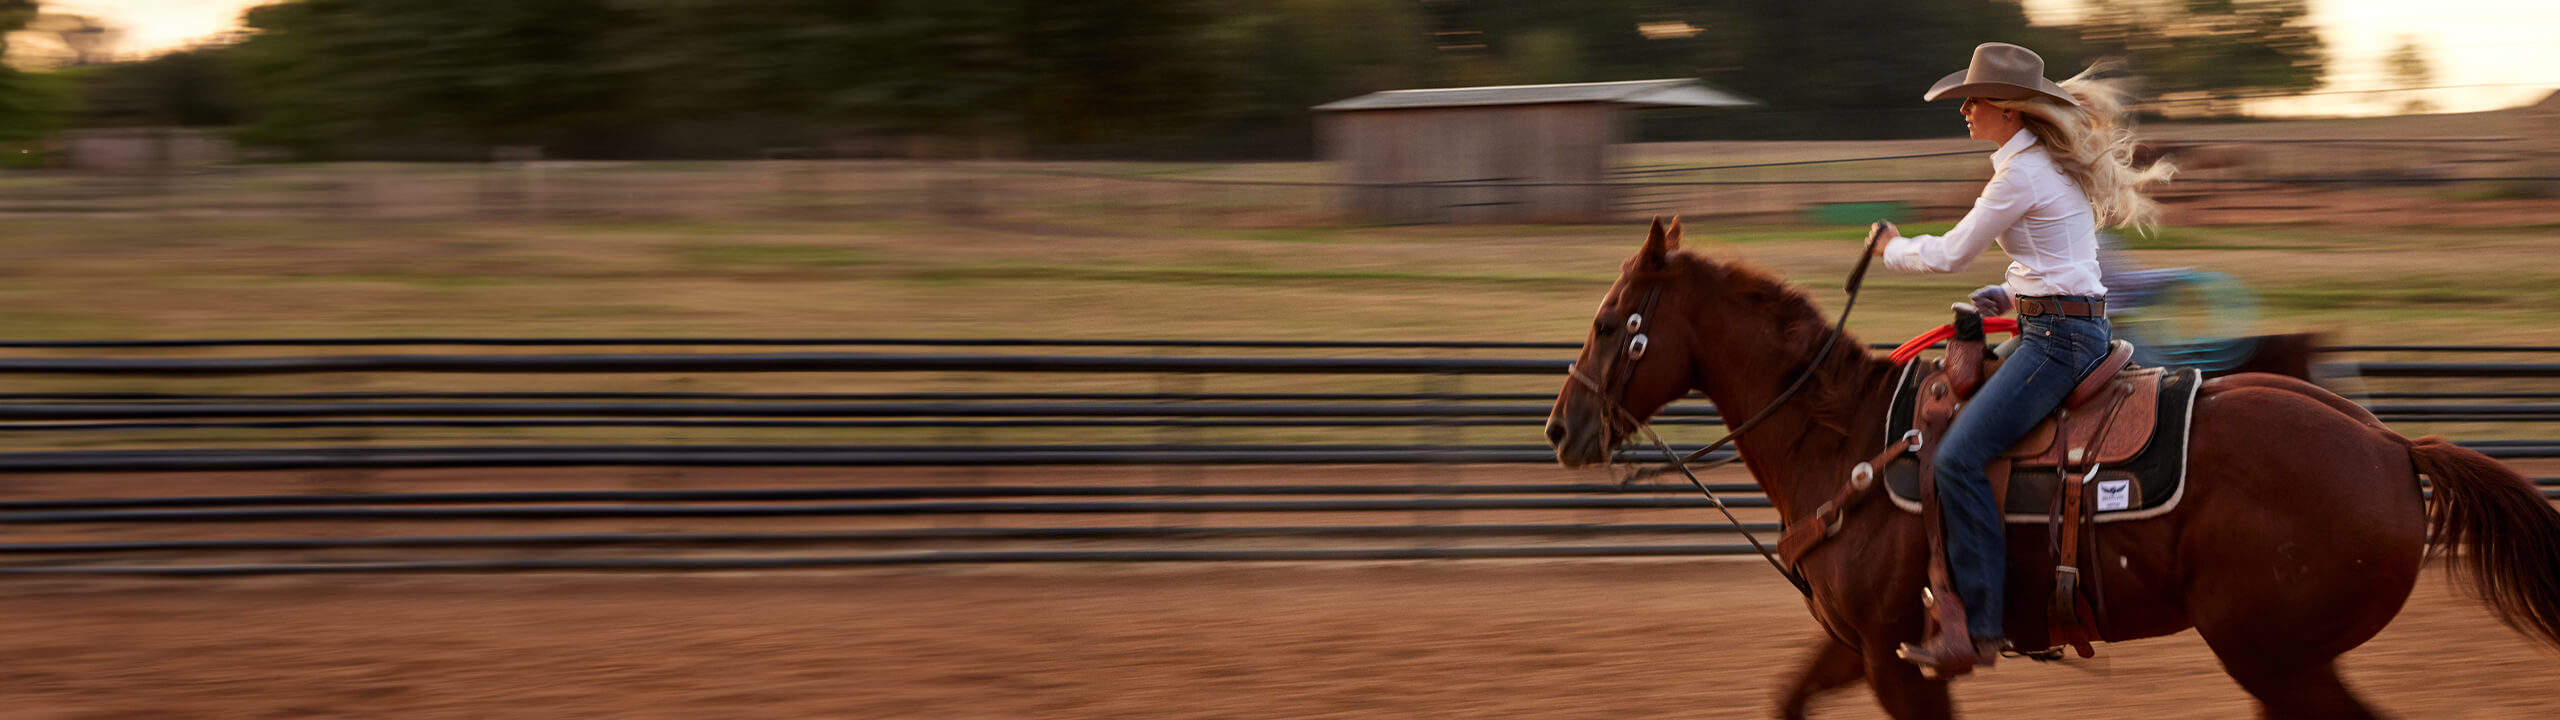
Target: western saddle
[{"x": 2106, "y": 420}]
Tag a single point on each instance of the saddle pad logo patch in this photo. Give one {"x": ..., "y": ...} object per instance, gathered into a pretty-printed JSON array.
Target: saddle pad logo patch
[{"x": 2115, "y": 495}]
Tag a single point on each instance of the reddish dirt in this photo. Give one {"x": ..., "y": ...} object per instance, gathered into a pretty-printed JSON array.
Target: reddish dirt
[{"x": 1478, "y": 639}]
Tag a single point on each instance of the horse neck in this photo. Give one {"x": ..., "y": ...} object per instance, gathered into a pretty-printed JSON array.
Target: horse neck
[{"x": 1795, "y": 454}]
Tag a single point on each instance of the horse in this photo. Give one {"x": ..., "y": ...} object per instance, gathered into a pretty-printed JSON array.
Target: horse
[
  {"x": 2294, "y": 355},
  {"x": 2288, "y": 354},
  {"x": 2302, "y": 531}
]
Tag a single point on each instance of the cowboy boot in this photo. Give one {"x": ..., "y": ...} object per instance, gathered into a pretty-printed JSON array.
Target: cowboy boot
[
  {"x": 1949, "y": 650},
  {"x": 1951, "y": 654}
]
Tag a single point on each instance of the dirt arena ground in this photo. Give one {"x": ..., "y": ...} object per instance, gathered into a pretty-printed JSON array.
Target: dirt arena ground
[{"x": 1584, "y": 639}]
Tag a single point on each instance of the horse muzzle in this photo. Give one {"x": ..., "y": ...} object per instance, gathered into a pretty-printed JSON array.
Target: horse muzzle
[{"x": 1578, "y": 441}]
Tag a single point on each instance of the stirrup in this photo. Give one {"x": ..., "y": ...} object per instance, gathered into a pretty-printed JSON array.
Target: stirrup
[
  {"x": 2047, "y": 655},
  {"x": 1945, "y": 657}
]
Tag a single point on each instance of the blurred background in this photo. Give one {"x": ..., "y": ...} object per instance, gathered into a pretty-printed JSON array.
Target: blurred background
[{"x": 438, "y": 308}]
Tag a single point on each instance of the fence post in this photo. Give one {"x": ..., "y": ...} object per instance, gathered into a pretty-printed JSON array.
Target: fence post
[
  {"x": 1177, "y": 387},
  {"x": 1439, "y": 439}
]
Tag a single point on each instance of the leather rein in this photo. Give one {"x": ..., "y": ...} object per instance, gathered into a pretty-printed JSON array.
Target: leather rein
[{"x": 1622, "y": 370}]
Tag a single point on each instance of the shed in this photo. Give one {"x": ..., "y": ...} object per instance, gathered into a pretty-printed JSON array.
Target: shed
[
  {"x": 1512, "y": 153},
  {"x": 144, "y": 149}
]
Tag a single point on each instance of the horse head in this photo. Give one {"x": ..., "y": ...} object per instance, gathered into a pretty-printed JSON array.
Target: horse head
[{"x": 1676, "y": 321}]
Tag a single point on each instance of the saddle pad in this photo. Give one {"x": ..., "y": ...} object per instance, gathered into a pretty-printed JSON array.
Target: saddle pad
[{"x": 2146, "y": 486}]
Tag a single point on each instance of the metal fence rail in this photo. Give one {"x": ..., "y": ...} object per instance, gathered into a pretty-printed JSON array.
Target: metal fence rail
[{"x": 221, "y": 534}]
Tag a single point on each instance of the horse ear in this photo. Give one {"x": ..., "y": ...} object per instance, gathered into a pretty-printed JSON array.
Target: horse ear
[{"x": 1659, "y": 244}]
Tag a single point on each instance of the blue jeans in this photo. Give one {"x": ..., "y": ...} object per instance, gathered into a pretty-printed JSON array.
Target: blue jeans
[{"x": 2055, "y": 351}]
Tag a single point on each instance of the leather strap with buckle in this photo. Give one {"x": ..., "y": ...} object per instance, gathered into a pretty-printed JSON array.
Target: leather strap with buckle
[{"x": 1806, "y": 532}]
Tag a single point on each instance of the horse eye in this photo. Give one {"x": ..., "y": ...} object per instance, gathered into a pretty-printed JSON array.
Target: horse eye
[
  {"x": 1635, "y": 322},
  {"x": 1635, "y": 347}
]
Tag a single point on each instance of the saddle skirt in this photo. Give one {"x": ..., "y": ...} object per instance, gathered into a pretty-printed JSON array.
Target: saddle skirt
[{"x": 2138, "y": 443}]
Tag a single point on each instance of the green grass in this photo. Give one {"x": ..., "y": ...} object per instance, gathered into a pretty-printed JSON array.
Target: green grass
[
  {"x": 30, "y": 183},
  {"x": 705, "y": 228},
  {"x": 1169, "y": 272},
  {"x": 2255, "y": 237},
  {"x": 735, "y": 256},
  {"x": 457, "y": 283},
  {"x": 1284, "y": 235},
  {"x": 1207, "y": 275}
]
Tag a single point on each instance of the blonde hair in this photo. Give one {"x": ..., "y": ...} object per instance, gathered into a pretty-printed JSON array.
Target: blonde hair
[{"x": 2093, "y": 144}]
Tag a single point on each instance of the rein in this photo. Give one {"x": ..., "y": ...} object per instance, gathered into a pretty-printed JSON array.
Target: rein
[{"x": 1676, "y": 462}]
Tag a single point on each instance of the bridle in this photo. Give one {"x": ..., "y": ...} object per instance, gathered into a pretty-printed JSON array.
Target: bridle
[
  {"x": 1621, "y": 367},
  {"x": 1622, "y": 371}
]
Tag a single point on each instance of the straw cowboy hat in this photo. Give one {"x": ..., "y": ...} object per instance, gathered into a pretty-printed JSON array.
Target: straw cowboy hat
[{"x": 2000, "y": 71}]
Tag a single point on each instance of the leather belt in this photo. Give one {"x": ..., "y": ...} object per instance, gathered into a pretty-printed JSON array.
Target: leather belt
[{"x": 2051, "y": 305}]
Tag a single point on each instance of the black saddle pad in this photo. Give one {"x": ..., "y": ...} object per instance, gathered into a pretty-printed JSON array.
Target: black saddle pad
[{"x": 2146, "y": 486}]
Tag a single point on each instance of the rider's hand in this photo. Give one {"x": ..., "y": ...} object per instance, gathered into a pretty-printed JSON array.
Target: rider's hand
[
  {"x": 1993, "y": 301},
  {"x": 1889, "y": 232}
]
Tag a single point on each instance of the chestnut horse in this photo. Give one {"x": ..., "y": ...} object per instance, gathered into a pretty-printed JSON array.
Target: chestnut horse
[{"x": 2300, "y": 534}]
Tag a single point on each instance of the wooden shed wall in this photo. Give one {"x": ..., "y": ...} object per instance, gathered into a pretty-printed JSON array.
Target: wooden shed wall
[{"x": 1424, "y": 149}]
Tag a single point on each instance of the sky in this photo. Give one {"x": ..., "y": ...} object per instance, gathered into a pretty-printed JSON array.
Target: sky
[
  {"x": 2508, "y": 50},
  {"x": 2496, "y": 53},
  {"x": 154, "y": 25}
]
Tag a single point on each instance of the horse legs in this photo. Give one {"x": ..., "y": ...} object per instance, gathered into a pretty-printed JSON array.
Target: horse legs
[
  {"x": 1903, "y": 692},
  {"x": 2291, "y": 666},
  {"x": 1832, "y": 665},
  {"x": 2301, "y": 692}
]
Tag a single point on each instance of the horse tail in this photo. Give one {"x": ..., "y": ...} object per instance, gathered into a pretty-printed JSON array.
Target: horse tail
[{"x": 2507, "y": 533}]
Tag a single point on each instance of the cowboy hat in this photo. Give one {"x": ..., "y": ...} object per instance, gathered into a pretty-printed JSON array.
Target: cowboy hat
[{"x": 2000, "y": 71}]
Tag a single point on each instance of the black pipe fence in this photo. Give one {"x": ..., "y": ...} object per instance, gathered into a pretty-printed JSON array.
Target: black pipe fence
[{"x": 1197, "y": 520}]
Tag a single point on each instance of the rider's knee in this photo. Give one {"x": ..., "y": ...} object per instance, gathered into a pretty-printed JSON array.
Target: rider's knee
[{"x": 1949, "y": 466}]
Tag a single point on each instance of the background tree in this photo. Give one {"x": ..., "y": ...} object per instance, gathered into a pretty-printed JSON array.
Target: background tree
[
  {"x": 480, "y": 72},
  {"x": 989, "y": 73},
  {"x": 32, "y": 104},
  {"x": 14, "y": 16},
  {"x": 2408, "y": 67},
  {"x": 1133, "y": 77},
  {"x": 1274, "y": 59},
  {"x": 191, "y": 88},
  {"x": 2211, "y": 53},
  {"x": 68, "y": 40}
]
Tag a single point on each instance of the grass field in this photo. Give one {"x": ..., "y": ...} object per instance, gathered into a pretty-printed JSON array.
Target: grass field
[
  {"x": 2383, "y": 266},
  {"x": 149, "y": 278}
]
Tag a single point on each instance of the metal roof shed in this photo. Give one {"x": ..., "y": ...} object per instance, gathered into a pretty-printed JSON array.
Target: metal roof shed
[{"x": 1514, "y": 153}]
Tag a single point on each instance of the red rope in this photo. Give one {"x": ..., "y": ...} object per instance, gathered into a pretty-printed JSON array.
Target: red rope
[{"x": 1912, "y": 349}]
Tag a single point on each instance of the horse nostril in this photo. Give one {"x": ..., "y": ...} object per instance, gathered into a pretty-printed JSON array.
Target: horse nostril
[{"x": 1555, "y": 434}]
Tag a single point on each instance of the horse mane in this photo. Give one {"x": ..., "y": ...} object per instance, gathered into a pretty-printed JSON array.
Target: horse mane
[{"x": 1800, "y": 329}]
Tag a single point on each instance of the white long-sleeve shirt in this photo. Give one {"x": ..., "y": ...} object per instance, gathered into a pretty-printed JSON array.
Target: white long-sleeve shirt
[{"x": 2036, "y": 214}]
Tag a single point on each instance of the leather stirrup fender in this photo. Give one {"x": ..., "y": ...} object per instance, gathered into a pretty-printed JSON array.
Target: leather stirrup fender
[{"x": 1946, "y": 645}]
